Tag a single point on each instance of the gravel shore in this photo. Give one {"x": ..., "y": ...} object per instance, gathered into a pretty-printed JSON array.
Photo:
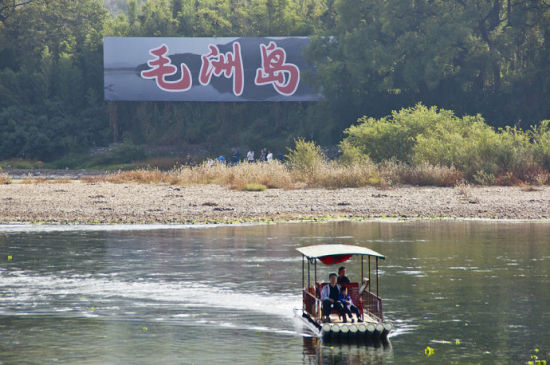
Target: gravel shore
[{"x": 81, "y": 202}]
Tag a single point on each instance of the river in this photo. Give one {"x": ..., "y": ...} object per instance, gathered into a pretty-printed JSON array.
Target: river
[{"x": 473, "y": 291}]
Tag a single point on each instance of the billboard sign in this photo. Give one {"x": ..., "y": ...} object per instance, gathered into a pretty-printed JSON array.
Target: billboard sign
[{"x": 206, "y": 69}]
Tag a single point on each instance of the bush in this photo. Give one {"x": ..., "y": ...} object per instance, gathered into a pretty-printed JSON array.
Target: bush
[
  {"x": 333, "y": 175},
  {"x": 350, "y": 154},
  {"x": 254, "y": 187},
  {"x": 432, "y": 139},
  {"x": 468, "y": 144},
  {"x": 4, "y": 179},
  {"x": 394, "y": 137},
  {"x": 541, "y": 143},
  {"x": 422, "y": 174},
  {"x": 306, "y": 158}
]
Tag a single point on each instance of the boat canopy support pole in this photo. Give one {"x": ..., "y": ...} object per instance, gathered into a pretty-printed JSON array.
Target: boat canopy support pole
[
  {"x": 308, "y": 273},
  {"x": 303, "y": 281},
  {"x": 377, "y": 276},
  {"x": 362, "y": 276},
  {"x": 315, "y": 266},
  {"x": 369, "y": 276}
]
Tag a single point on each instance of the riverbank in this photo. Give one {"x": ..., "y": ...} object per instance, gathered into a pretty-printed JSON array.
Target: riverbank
[{"x": 102, "y": 202}]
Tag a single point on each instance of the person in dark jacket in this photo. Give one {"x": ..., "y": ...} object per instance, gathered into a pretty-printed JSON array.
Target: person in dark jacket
[
  {"x": 329, "y": 296},
  {"x": 342, "y": 278}
]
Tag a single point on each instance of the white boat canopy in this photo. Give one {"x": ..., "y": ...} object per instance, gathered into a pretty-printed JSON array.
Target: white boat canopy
[{"x": 319, "y": 251}]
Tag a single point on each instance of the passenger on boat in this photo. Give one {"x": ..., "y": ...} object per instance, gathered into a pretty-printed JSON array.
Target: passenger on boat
[
  {"x": 342, "y": 278},
  {"x": 329, "y": 297},
  {"x": 345, "y": 299}
]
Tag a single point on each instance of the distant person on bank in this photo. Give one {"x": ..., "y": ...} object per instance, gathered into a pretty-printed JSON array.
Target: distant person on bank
[
  {"x": 235, "y": 157},
  {"x": 250, "y": 156},
  {"x": 263, "y": 155}
]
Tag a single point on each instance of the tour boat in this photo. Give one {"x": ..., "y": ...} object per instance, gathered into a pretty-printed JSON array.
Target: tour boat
[{"x": 372, "y": 328}]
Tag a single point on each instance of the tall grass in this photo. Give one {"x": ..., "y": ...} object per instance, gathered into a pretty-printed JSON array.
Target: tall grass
[
  {"x": 328, "y": 174},
  {"x": 308, "y": 167},
  {"x": 5, "y": 179},
  {"x": 272, "y": 175}
]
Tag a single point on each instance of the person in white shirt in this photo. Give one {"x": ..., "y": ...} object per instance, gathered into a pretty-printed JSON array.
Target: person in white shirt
[
  {"x": 269, "y": 157},
  {"x": 250, "y": 156}
]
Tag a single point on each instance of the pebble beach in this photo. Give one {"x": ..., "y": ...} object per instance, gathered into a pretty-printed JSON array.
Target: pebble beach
[{"x": 105, "y": 203}]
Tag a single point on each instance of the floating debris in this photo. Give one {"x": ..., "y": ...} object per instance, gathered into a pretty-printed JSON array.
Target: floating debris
[{"x": 429, "y": 351}]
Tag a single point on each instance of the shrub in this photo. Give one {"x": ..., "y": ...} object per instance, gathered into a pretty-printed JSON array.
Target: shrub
[
  {"x": 541, "y": 143},
  {"x": 254, "y": 187},
  {"x": 438, "y": 142},
  {"x": 394, "y": 137},
  {"x": 333, "y": 175},
  {"x": 350, "y": 154},
  {"x": 422, "y": 174},
  {"x": 468, "y": 144},
  {"x": 514, "y": 154},
  {"x": 484, "y": 178},
  {"x": 306, "y": 158},
  {"x": 5, "y": 179}
]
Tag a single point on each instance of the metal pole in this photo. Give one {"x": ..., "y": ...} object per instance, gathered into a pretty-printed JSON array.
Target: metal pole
[
  {"x": 362, "y": 277},
  {"x": 369, "y": 275},
  {"x": 303, "y": 288},
  {"x": 377, "y": 276},
  {"x": 303, "y": 281},
  {"x": 315, "y": 265},
  {"x": 308, "y": 273}
]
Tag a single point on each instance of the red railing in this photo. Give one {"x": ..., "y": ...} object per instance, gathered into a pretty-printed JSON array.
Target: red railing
[
  {"x": 372, "y": 304},
  {"x": 312, "y": 305}
]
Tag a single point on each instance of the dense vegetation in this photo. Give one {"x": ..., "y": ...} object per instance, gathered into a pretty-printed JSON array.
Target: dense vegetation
[
  {"x": 490, "y": 57},
  {"x": 428, "y": 136}
]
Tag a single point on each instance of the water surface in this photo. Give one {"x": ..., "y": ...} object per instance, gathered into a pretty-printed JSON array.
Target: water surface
[{"x": 475, "y": 292}]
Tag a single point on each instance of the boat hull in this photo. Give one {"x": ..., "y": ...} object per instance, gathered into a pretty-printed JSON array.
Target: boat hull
[{"x": 369, "y": 332}]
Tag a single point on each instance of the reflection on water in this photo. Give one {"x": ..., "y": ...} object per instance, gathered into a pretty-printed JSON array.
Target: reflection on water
[
  {"x": 474, "y": 292},
  {"x": 315, "y": 352}
]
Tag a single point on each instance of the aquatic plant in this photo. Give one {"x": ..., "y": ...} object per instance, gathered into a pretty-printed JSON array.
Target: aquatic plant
[{"x": 429, "y": 351}]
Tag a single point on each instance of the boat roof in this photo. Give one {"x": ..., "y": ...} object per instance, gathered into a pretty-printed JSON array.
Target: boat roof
[{"x": 318, "y": 251}]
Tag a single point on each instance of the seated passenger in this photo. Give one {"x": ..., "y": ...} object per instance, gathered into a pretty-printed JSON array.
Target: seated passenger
[
  {"x": 329, "y": 297},
  {"x": 345, "y": 299},
  {"x": 342, "y": 278}
]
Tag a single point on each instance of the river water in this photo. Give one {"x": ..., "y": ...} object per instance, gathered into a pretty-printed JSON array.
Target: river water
[{"x": 474, "y": 292}]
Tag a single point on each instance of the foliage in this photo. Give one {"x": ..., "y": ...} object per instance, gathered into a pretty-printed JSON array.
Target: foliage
[
  {"x": 350, "y": 154},
  {"x": 254, "y": 187},
  {"x": 541, "y": 144},
  {"x": 372, "y": 57},
  {"x": 4, "y": 179},
  {"x": 394, "y": 136},
  {"x": 427, "y": 138},
  {"x": 471, "y": 56},
  {"x": 306, "y": 157}
]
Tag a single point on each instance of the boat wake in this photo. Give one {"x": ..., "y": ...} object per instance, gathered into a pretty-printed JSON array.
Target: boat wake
[{"x": 26, "y": 294}]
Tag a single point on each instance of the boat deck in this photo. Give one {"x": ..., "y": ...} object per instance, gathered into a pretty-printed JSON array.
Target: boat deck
[{"x": 335, "y": 318}]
